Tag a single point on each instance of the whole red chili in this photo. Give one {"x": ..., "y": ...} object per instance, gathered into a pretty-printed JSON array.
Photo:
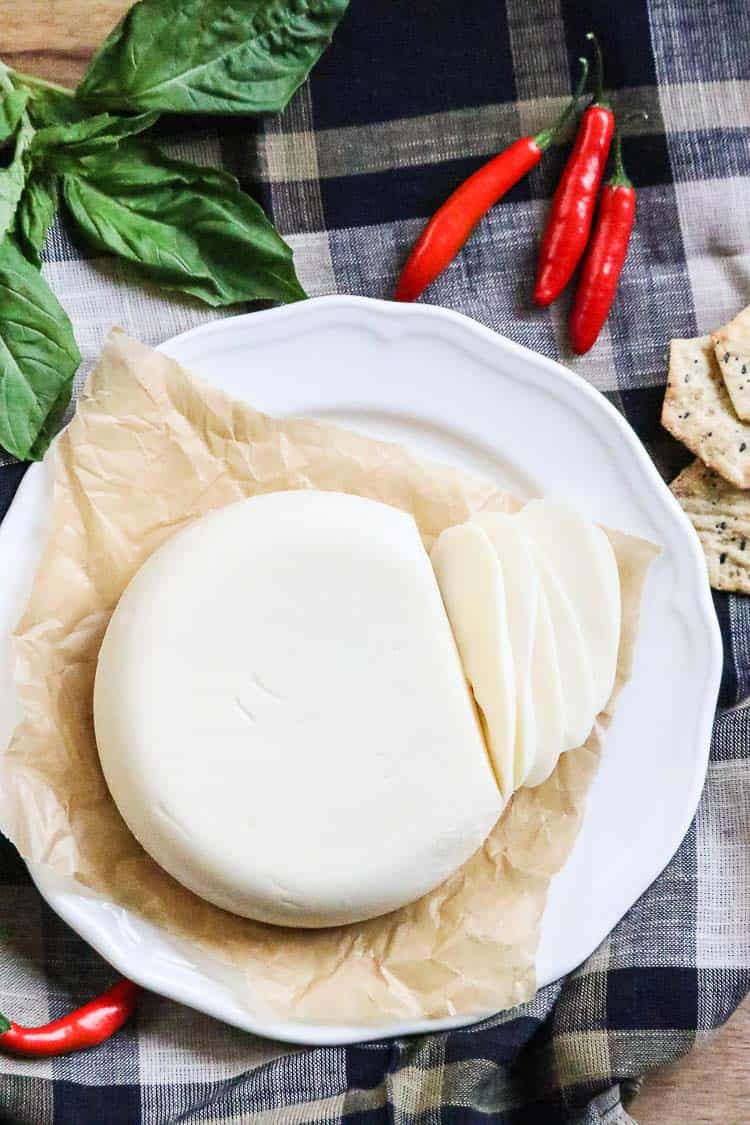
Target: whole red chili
[
  {"x": 85, "y": 1027},
  {"x": 452, "y": 224},
  {"x": 569, "y": 223},
  {"x": 605, "y": 257}
]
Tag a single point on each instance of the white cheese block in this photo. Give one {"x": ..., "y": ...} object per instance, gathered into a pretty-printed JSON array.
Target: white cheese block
[
  {"x": 282, "y": 717},
  {"x": 547, "y": 696},
  {"x": 521, "y": 581},
  {"x": 471, "y": 582},
  {"x": 584, "y": 563}
]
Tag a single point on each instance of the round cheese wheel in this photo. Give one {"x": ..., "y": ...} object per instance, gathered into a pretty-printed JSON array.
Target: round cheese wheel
[{"x": 282, "y": 717}]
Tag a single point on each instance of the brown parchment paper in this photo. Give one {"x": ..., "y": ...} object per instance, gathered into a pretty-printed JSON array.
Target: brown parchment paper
[{"x": 150, "y": 449}]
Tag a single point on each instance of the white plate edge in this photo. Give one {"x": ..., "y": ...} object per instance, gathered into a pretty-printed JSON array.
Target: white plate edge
[{"x": 319, "y": 1035}]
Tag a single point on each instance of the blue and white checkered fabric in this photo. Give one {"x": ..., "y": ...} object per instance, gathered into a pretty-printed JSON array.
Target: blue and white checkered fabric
[{"x": 411, "y": 97}]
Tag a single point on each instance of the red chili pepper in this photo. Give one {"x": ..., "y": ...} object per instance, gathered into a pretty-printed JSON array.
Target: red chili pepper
[
  {"x": 452, "y": 224},
  {"x": 569, "y": 222},
  {"x": 86, "y": 1027},
  {"x": 605, "y": 257}
]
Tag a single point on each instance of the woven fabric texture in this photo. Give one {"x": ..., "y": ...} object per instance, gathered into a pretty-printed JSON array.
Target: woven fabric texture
[{"x": 412, "y": 97}]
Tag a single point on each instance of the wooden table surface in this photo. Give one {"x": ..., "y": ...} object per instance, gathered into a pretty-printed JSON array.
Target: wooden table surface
[{"x": 53, "y": 39}]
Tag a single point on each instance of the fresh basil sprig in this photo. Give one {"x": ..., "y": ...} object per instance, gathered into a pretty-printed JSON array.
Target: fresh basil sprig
[
  {"x": 38, "y": 355},
  {"x": 188, "y": 228},
  {"x": 210, "y": 56}
]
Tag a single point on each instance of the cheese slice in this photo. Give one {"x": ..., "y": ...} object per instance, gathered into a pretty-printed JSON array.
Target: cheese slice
[
  {"x": 516, "y": 556},
  {"x": 573, "y": 662},
  {"x": 471, "y": 583},
  {"x": 534, "y": 603},
  {"x": 547, "y": 696},
  {"x": 584, "y": 563},
  {"x": 282, "y": 717}
]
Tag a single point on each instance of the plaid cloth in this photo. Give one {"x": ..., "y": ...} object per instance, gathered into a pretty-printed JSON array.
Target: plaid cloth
[{"x": 414, "y": 95}]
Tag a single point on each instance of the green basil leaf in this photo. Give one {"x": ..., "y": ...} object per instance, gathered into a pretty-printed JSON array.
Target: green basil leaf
[
  {"x": 64, "y": 144},
  {"x": 210, "y": 56},
  {"x": 38, "y": 355},
  {"x": 12, "y": 104},
  {"x": 52, "y": 423},
  {"x": 13, "y": 178},
  {"x": 186, "y": 228},
  {"x": 48, "y": 106},
  {"x": 36, "y": 213}
]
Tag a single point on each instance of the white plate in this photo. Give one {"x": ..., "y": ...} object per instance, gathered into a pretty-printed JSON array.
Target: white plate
[{"x": 455, "y": 391}]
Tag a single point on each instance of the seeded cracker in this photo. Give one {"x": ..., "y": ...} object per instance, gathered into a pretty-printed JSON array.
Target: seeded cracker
[
  {"x": 698, "y": 411},
  {"x": 720, "y": 514},
  {"x": 732, "y": 349}
]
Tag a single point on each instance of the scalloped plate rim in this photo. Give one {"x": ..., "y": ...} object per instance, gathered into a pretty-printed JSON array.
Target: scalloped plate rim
[{"x": 389, "y": 319}]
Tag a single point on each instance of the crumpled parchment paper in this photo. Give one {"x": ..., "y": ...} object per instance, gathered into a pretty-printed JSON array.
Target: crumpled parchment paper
[{"x": 150, "y": 449}]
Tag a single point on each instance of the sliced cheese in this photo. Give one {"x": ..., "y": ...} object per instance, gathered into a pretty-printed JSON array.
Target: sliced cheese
[
  {"x": 516, "y": 556},
  {"x": 584, "y": 563},
  {"x": 282, "y": 717},
  {"x": 547, "y": 696},
  {"x": 549, "y": 606},
  {"x": 573, "y": 662},
  {"x": 471, "y": 583}
]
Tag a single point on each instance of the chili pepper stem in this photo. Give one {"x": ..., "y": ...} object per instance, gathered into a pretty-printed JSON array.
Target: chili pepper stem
[
  {"x": 619, "y": 177},
  {"x": 544, "y": 139},
  {"x": 599, "y": 98}
]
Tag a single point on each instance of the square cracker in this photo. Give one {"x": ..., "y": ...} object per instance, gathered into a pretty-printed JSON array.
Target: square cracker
[
  {"x": 698, "y": 411},
  {"x": 732, "y": 350},
  {"x": 720, "y": 513}
]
